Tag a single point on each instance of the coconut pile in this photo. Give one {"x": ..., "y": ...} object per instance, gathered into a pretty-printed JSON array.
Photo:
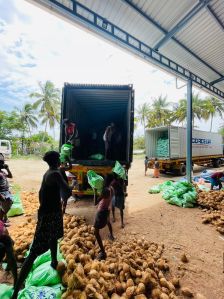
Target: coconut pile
[
  {"x": 23, "y": 233},
  {"x": 22, "y": 236},
  {"x": 133, "y": 269},
  {"x": 30, "y": 202},
  {"x": 212, "y": 203}
]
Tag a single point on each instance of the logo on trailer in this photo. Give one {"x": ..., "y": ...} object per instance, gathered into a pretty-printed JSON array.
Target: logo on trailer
[{"x": 201, "y": 141}]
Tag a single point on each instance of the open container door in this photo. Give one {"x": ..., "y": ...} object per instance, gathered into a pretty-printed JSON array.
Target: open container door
[{"x": 174, "y": 142}]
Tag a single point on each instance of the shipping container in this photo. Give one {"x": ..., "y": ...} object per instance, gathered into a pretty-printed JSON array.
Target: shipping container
[
  {"x": 203, "y": 143},
  {"x": 92, "y": 108},
  {"x": 168, "y": 144}
]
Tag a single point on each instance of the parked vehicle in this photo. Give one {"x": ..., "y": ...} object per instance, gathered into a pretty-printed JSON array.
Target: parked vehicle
[
  {"x": 5, "y": 149},
  {"x": 92, "y": 108},
  {"x": 168, "y": 144}
]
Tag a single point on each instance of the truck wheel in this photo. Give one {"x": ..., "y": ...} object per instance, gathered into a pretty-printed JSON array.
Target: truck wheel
[
  {"x": 182, "y": 170},
  {"x": 217, "y": 163}
]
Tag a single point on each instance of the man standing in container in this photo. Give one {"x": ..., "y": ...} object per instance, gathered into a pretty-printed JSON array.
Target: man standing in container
[{"x": 107, "y": 138}]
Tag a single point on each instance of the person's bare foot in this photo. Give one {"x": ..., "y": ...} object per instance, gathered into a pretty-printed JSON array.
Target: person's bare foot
[
  {"x": 101, "y": 256},
  {"x": 54, "y": 265},
  {"x": 111, "y": 238}
]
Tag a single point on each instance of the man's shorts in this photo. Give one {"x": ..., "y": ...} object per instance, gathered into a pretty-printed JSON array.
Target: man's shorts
[{"x": 101, "y": 219}]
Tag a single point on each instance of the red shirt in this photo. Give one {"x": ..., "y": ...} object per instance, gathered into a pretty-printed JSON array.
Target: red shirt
[
  {"x": 217, "y": 175},
  {"x": 70, "y": 129}
]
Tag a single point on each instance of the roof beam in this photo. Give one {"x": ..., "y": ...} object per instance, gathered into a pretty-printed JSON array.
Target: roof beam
[
  {"x": 164, "y": 31},
  {"x": 182, "y": 23},
  {"x": 215, "y": 17},
  {"x": 217, "y": 80}
]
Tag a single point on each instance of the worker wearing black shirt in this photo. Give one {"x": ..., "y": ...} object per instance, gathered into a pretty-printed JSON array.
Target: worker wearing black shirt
[{"x": 50, "y": 218}]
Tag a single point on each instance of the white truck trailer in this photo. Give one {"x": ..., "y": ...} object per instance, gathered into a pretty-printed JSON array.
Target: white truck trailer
[
  {"x": 168, "y": 145},
  {"x": 5, "y": 149}
]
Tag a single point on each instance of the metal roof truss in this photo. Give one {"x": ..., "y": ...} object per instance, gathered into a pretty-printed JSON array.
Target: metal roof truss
[{"x": 92, "y": 20}]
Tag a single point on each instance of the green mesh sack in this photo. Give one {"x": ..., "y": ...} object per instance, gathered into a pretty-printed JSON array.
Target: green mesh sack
[
  {"x": 17, "y": 207},
  {"x": 96, "y": 181},
  {"x": 162, "y": 148},
  {"x": 97, "y": 157},
  {"x": 154, "y": 190},
  {"x": 119, "y": 170},
  {"x": 175, "y": 200},
  {"x": 43, "y": 292},
  {"x": 190, "y": 197},
  {"x": 167, "y": 194},
  {"x": 166, "y": 185},
  {"x": 43, "y": 275},
  {"x": 188, "y": 205},
  {"x": 46, "y": 257},
  {"x": 66, "y": 152},
  {"x": 6, "y": 291}
]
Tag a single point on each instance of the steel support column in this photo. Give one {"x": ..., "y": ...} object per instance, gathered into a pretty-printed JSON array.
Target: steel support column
[{"x": 189, "y": 130}]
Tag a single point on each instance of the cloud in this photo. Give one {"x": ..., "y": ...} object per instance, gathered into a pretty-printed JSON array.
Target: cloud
[
  {"x": 11, "y": 12},
  {"x": 29, "y": 65}
]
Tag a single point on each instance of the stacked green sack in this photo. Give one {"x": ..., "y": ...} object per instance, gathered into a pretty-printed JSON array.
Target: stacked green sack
[
  {"x": 181, "y": 194},
  {"x": 17, "y": 207},
  {"x": 162, "y": 148},
  {"x": 42, "y": 282},
  {"x": 6, "y": 291}
]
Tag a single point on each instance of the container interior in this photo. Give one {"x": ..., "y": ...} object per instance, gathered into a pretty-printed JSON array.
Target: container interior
[
  {"x": 92, "y": 110},
  {"x": 151, "y": 140}
]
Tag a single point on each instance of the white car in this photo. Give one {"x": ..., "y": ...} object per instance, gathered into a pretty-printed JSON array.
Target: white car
[{"x": 5, "y": 149}]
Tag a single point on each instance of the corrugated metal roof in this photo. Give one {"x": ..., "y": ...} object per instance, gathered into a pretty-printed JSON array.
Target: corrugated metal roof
[
  {"x": 202, "y": 35},
  {"x": 197, "y": 46}
]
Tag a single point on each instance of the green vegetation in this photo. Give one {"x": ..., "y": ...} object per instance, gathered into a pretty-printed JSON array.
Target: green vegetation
[
  {"x": 162, "y": 112},
  {"x": 139, "y": 142},
  {"x": 17, "y": 125}
]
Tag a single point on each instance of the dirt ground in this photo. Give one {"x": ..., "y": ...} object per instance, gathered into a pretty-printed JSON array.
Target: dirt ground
[{"x": 149, "y": 216}]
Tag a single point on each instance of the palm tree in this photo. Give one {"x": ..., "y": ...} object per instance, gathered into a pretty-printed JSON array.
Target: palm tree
[
  {"x": 50, "y": 118},
  {"x": 212, "y": 106},
  {"x": 160, "y": 108},
  {"x": 180, "y": 114},
  {"x": 142, "y": 113},
  {"x": 26, "y": 117},
  {"x": 48, "y": 100}
]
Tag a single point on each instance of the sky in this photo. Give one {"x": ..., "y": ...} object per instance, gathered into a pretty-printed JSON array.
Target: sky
[{"x": 37, "y": 46}]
